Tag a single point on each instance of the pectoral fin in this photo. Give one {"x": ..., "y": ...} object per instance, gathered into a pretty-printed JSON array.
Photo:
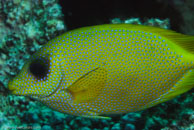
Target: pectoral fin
[{"x": 89, "y": 86}]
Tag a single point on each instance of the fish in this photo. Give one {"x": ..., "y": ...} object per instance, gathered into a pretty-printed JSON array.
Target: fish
[{"x": 108, "y": 69}]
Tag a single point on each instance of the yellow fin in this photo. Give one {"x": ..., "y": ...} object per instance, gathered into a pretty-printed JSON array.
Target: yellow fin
[
  {"x": 88, "y": 86},
  {"x": 97, "y": 117},
  {"x": 183, "y": 85}
]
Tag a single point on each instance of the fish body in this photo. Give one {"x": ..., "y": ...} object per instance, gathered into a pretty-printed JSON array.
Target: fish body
[{"x": 108, "y": 69}]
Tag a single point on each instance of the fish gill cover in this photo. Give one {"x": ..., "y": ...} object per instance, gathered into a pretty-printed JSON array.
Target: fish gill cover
[{"x": 27, "y": 25}]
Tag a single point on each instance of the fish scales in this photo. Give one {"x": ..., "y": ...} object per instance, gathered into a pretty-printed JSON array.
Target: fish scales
[{"x": 108, "y": 69}]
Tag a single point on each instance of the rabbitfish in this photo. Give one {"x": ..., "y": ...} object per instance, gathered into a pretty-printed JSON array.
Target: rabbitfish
[{"x": 108, "y": 69}]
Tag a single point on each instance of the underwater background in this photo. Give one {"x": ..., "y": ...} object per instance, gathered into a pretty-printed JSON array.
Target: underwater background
[{"x": 26, "y": 25}]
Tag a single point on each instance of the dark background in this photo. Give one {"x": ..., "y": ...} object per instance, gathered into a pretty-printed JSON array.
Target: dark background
[{"x": 92, "y": 12}]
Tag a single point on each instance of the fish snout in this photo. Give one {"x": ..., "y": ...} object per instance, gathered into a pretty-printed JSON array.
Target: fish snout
[{"x": 12, "y": 88}]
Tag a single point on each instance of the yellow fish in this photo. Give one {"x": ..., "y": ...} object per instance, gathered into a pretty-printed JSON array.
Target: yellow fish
[{"x": 108, "y": 69}]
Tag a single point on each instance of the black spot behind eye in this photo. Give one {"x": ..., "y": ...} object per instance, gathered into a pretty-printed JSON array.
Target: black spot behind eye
[{"x": 39, "y": 67}]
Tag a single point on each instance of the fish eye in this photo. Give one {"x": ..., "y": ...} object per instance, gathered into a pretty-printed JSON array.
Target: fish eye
[{"x": 39, "y": 67}]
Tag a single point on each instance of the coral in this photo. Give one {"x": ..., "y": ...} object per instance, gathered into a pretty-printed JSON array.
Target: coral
[{"x": 150, "y": 22}]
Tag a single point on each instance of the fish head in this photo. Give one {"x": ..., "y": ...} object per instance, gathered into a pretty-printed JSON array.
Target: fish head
[{"x": 39, "y": 77}]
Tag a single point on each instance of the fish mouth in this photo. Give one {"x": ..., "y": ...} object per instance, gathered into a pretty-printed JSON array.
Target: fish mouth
[
  {"x": 12, "y": 88},
  {"x": 15, "y": 90},
  {"x": 10, "y": 91}
]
